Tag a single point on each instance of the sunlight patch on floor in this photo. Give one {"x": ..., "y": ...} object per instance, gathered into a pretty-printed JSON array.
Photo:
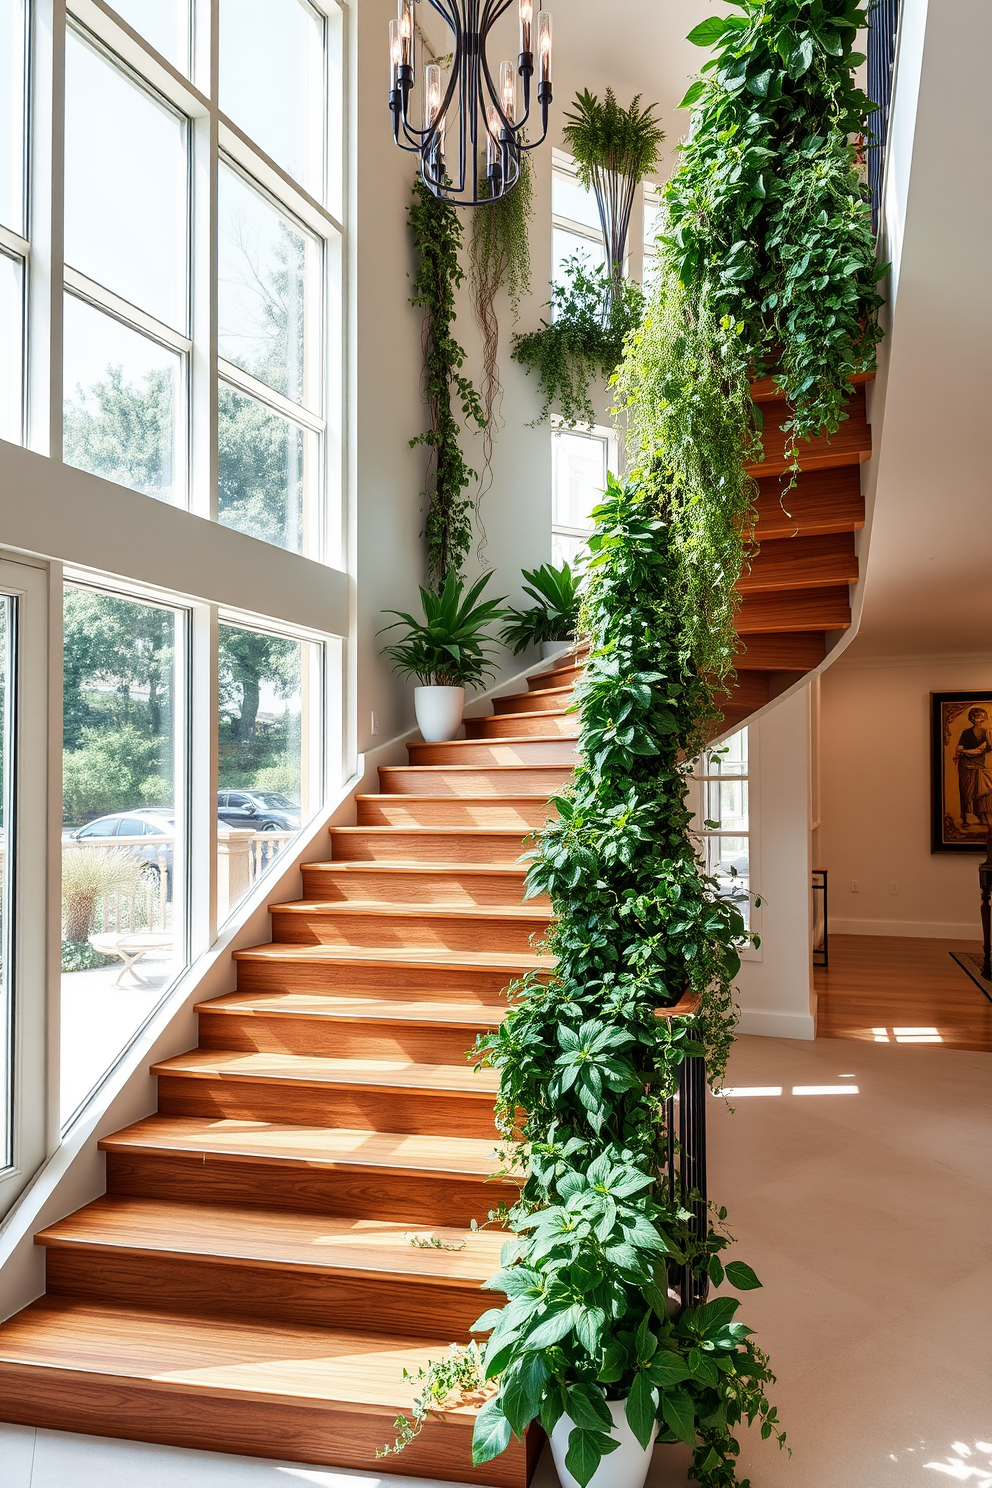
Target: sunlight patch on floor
[
  {"x": 907, "y": 1036},
  {"x": 964, "y": 1466}
]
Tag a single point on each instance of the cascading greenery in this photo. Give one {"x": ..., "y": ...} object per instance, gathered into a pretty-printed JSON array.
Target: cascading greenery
[
  {"x": 767, "y": 265},
  {"x": 589, "y": 1317},
  {"x": 499, "y": 258},
  {"x": 437, "y": 237}
]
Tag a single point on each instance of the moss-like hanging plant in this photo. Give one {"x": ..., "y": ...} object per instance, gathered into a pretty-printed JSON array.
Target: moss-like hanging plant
[{"x": 437, "y": 236}]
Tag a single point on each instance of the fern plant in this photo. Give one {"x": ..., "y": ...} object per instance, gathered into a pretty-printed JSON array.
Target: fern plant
[
  {"x": 555, "y": 615},
  {"x": 450, "y": 646}
]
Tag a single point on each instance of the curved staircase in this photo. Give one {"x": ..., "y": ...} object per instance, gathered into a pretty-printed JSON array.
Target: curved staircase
[{"x": 291, "y": 1230}]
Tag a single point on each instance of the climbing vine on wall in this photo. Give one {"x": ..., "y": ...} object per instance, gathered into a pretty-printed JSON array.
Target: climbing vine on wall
[{"x": 437, "y": 237}]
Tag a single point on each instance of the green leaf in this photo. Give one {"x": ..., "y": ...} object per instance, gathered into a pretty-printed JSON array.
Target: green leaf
[
  {"x": 741, "y": 1276},
  {"x": 586, "y": 1450},
  {"x": 587, "y": 1407},
  {"x": 708, "y": 32},
  {"x": 680, "y": 1415},
  {"x": 667, "y": 1369},
  {"x": 641, "y": 1408},
  {"x": 552, "y": 1328},
  {"x": 520, "y": 1394},
  {"x": 491, "y": 1434},
  {"x": 693, "y": 94}
]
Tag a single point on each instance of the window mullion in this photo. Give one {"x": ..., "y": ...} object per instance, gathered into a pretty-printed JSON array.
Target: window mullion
[
  {"x": 203, "y": 362},
  {"x": 204, "y": 698}
]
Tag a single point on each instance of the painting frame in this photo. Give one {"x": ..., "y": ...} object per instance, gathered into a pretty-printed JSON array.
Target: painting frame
[{"x": 950, "y": 830}]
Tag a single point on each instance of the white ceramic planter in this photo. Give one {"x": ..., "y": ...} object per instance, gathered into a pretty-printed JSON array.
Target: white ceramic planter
[
  {"x": 627, "y": 1467},
  {"x": 439, "y": 712},
  {"x": 554, "y": 648}
]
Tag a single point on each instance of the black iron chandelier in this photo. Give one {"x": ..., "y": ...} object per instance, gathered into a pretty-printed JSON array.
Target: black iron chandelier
[{"x": 472, "y": 132}]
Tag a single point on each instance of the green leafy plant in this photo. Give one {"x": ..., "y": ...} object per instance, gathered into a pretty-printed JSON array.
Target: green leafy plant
[
  {"x": 590, "y": 1317},
  {"x": 584, "y": 339},
  {"x": 767, "y": 266},
  {"x": 449, "y": 647},
  {"x": 614, "y": 149},
  {"x": 460, "y": 1374},
  {"x": 499, "y": 259},
  {"x": 554, "y": 617},
  {"x": 437, "y": 237}
]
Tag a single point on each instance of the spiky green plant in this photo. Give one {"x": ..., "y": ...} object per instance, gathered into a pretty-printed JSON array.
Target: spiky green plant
[
  {"x": 555, "y": 615},
  {"x": 450, "y": 646}
]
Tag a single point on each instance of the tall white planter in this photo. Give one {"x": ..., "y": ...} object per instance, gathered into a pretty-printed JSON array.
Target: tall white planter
[
  {"x": 439, "y": 712},
  {"x": 627, "y": 1467},
  {"x": 554, "y": 648}
]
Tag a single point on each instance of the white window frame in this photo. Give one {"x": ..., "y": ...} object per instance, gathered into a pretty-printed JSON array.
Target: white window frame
[
  {"x": 605, "y": 435},
  {"x": 696, "y": 801}
]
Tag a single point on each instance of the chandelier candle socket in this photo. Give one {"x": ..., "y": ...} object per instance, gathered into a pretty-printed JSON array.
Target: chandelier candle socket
[{"x": 485, "y": 114}]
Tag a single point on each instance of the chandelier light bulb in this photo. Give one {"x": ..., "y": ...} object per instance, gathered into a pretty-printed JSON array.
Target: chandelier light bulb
[
  {"x": 526, "y": 28},
  {"x": 508, "y": 90},
  {"x": 545, "y": 37},
  {"x": 432, "y": 93},
  {"x": 406, "y": 32},
  {"x": 492, "y": 138},
  {"x": 395, "y": 53}
]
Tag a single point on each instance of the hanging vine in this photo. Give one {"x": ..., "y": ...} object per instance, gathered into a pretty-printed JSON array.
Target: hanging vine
[
  {"x": 437, "y": 238},
  {"x": 499, "y": 258}
]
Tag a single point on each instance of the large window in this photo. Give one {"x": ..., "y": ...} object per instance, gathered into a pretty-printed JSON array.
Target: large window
[
  {"x": 580, "y": 462},
  {"x": 124, "y": 835},
  {"x": 270, "y": 786},
  {"x": 13, "y": 223},
  {"x": 723, "y": 820},
  {"x": 576, "y": 231}
]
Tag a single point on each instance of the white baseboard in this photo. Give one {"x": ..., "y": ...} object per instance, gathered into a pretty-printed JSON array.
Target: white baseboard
[
  {"x": 777, "y": 1025},
  {"x": 917, "y": 929}
]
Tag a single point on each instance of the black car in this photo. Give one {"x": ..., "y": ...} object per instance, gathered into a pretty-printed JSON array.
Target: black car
[{"x": 266, "y": 811}]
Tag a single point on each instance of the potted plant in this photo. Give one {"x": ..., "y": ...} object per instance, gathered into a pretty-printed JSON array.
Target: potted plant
[
  {"x": 447, "y": 651},
  {"x": 553, "y": 621}
]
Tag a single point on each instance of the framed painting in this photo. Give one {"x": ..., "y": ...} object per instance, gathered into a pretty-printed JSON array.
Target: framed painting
[{"x": 961, "y": 781}]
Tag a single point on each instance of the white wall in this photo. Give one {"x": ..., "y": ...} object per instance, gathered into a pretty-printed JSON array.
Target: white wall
[
  {"x": 875, "y": 802},
  {"x": 776, "y": 988}
]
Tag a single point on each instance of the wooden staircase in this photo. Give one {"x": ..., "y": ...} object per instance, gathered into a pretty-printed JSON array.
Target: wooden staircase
[
  {"x": 291, "y": 1230},
  {"x": 251, "y": 1282}
]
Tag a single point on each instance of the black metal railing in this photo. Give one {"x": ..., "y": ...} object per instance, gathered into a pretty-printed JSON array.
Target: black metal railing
[
  {"x": 686, "y": 1116},
  {"x": 883, "y": 25}
]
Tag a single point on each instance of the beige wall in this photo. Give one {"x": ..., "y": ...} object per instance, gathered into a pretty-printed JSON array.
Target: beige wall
[{"x": 875, "y": 800}]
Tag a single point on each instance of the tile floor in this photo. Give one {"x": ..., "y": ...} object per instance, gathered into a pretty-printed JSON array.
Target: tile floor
[{"x": 867, "y": 1215}]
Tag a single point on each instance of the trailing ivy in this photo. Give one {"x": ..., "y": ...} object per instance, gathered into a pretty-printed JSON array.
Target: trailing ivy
[
  {"x": 589, "y": 1317},
  {"x": 767, "y": 265},
  {"x": 591, "y": 320},
  {"x": 499, "y": 258},
  {"x": 437, "y": 237}
]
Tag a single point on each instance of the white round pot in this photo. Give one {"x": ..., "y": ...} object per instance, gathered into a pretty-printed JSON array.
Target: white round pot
[
  {"x": 627, "y": 1467},
  {"x": 439, "y": 712},
  {"x": 554, "y": 648}
]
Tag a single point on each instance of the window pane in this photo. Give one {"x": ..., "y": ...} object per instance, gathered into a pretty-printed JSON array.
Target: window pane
[
  {"x": 579, "y": 479},
  {"x": 267, "y": 266},
  {"x": 271, "y": 81},
  {"x": 566, "y": 245},
  {"x": 269, "y": 699},
  {"x": 572, "y": 200},
  {"x": 12, "y": 114},
  {"x": 125, "y": 186},
  {"x": 120, "y": 404},
  {"x": 163, "y": 23},
  {"x": 11, "y": 347},
  {"x": 264, "y": 462},
  {"x": 123, "y": 902},
  {"x": 652, "y": 218},
  {"x": 6, "y": 875},
  {"x": 566, "y": 549}
]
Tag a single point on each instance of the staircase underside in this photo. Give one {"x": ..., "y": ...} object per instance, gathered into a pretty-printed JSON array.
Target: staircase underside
[{"x": 292, "y": 1228}]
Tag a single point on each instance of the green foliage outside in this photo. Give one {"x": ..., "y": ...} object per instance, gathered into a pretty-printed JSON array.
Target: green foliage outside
[
  {"x": 555, "y": 613},
  {"x": 256, "y": 749},
  {"x": 450, "y": 646},
  {"x": 437, "y": 236},
  {"x": 124, "y": 431}
]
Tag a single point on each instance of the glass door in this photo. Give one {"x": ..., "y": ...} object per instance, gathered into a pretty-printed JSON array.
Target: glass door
[{"x": 24, "y": 855}]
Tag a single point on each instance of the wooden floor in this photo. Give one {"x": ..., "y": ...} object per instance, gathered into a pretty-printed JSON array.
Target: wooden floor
[{"x": 901, "y": 990}]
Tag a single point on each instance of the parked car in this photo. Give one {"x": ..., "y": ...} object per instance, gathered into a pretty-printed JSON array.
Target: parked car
[
  {"x": 266, "y": 811},
  {"x": 149, "y": 823}
]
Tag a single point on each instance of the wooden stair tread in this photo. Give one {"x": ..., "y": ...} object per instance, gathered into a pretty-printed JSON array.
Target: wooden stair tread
[
  {"x": 466, "y": 743},
  {"x": 456, "y": 833},
  {"x": 416, "y": 865},
  {"x": 308, "y": 1147},
  {"x": 330, "y": 1008},
  {"x": 324, "y": 1243},
  {"x": 375, "y": 907},
  {"x": 254, "y": 1359},
  {"x": 301, "y": 1069},
  {"x": 392, "y": 800},
  {"x": 403, "y": 956}
]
